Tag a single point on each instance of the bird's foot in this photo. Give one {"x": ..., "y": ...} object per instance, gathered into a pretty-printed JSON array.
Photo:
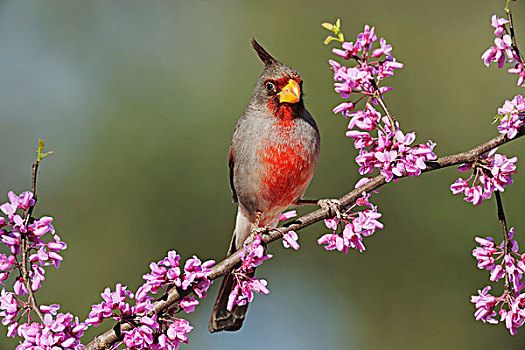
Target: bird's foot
[
  {"x": 333, "y": 206},
  {"x": 257, "y": 231},
  {"x": 260, "y": 230}
]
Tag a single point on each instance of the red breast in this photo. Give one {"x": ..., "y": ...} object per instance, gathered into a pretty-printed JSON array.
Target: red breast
[{"x": 287, "y": 165}]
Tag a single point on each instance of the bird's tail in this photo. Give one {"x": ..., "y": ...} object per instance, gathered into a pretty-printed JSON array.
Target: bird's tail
[{"x": 221, "y": 318}]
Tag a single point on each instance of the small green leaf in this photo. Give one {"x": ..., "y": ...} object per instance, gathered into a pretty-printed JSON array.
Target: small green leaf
[
  {"x": 499, "y": 117},
  {"x": 334, "y": 28},
  {"x": 328, "y": 26},
  {"x": 328, "y": 39},
  {"x": 40, "y": 150}
]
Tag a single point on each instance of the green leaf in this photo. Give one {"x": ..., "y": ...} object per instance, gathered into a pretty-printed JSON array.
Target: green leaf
[
  {"x": 328, "y": 39},
  {"x": 40, "y": 150},
  {"x": 498, "y": 117},
  {"x": 328, "y": 26},
  {"x": 334, "y": 28}
]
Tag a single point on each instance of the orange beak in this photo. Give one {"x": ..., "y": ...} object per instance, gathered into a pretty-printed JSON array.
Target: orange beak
[{"x": 291, "y": 93}]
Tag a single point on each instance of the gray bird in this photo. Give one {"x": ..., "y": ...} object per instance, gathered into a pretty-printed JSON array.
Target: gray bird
[{"x": 273, "y": 155}]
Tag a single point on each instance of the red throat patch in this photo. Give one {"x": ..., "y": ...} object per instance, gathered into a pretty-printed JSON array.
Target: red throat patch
[{"x": 282, "y": 111}]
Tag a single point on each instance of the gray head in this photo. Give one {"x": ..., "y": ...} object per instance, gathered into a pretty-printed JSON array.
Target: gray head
[{"x": 278, "y": 85}]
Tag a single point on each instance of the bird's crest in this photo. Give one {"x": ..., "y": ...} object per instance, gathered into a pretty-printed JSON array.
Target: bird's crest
[{"x": 263, "y": 54}]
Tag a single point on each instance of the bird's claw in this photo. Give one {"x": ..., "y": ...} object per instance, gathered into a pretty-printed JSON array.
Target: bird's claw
[
  {"x": 333, "y": 206},
  {"x": 256, "y": 230}
]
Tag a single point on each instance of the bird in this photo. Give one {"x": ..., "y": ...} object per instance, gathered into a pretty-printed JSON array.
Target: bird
[{"x": 274, "y": 152}]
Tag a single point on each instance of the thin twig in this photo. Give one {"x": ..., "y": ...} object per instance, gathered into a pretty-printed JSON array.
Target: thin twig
[
  {"x": 24, "y": 248},
  {"x": 383, "y": 105},
  {"x": 379, "y": 99},
  {"x": 109, "y": 337},
  {"x": 512, "y": 34},
  {"x": 506, "y": 240}
]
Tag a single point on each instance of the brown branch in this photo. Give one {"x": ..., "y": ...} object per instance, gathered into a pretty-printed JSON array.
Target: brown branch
[
  {"x": 24, "y": 248},
  {"x": 391, "y": 119},
  {"x": 110, "y": 337},
  {"x": 512, "y": 34},
  {"x": 506, "y": 240}
]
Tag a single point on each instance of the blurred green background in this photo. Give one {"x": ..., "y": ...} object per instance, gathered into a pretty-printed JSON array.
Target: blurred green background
[{"x": 138, "y": 100}]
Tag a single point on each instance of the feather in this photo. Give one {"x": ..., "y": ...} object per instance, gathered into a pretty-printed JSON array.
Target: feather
[{"x": 263, "y": 54}]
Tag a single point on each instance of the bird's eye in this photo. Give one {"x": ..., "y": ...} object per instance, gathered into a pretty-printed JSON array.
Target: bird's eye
[{"x": 269, "y": 86}]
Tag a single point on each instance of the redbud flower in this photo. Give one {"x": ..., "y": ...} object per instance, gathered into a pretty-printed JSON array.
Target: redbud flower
[
  {"x": 245, "y": 285},
  {"x": 188, "y": 304},
  {"x": 499, "y": 24},
  {"x": 503, "y": 49},
  {"x": 290, "y": 240},
  {"x": 511, "y": 304},
  {"x": 520, "y": 70},
  {"x": 493, "y": 172},
  {"x": 178, "y": 332},
  {"x": 390, "y": 151},
  {"x": 355, "y": 226},
  {"x": 511, "y": 116}
]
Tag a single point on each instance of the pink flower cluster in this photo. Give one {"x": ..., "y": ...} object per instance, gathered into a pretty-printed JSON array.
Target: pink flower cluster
[
  {"x": 59, "y": 331},
  {"x": 503, "y": 50},
  {"x": 492, "y": 172},
  {"x": 245, "y": 285},
  {"x": 151, "y": 331},
  {"x": 511, "y": 116},
  {"x": 18, "y": 231},
  {"x": 370, "y": 69},
  {"x": 11, "y": 230},
  {"x": 289, "y": 238},
  {"x": 510, "y": 306},
  {"x": 390, "y": 151},
  {"x": 166, "y": 273},
  {"x": 354, "y": 226}
]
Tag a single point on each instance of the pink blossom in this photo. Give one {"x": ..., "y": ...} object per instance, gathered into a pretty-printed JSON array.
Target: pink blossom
[
  {"x": 520, "y": 70},
  {"x": 6, "y": 262},
  {"x": 42, "y": 226},
  {"x": 244, "y": 289},
  {"x": 333, "y": 241},
  {"x": 511, "y": 304},
  {"x": 245, "y": 285},
  {"x": 343, "y": 108},
  {"x": 512, "y": 116},
  {"x": 331, "y": 223},
  {"x": 499, "y": 24},
  {"x": 502, "y": 49},
  {"x": 355, "y": 226},
  {"x": 188, "y": 304},
  {"x": 383, "y": 50},
  {"x": 290, "y": 240},
  {"x": 195, "y": 270},
  {"x": 24, "y": 201},
  {"x": 485, "y": 304},
  {"x": 178, "y": 332},
  {"x": 494, "y": 173},
  {"x": 288, "y": 215}
]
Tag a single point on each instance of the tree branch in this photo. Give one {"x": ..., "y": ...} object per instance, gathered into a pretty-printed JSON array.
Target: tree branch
[
  {"x": 111, "y": 336},
  {"x": 506, "y": 240},
  {"x": 24, "y": 248}
]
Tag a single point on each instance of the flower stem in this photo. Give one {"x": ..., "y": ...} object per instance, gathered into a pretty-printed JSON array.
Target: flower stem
[
  {"x": 512, "y": 34},
  {"x": 506, "y": 240},
  {"x": 24, "y": 249}
]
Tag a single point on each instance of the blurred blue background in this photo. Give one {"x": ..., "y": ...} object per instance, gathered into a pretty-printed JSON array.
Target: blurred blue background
[{"x": 138, "y": 100}]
